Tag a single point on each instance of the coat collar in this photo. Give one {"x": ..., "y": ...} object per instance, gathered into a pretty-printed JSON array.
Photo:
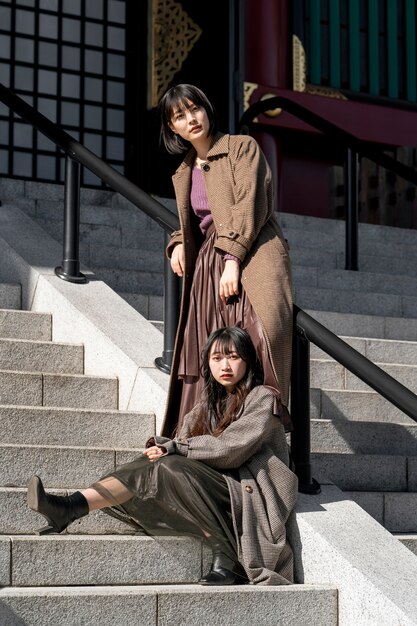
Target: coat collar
[{"x": 220, "y": 145}]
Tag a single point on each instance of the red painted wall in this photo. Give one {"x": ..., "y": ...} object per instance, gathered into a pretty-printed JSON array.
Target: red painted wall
[{"x": 300, "y": 156}]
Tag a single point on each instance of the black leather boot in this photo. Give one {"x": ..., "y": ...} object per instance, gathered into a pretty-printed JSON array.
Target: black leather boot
[
  {"x": 59, "y": 511},
  {"x": 224, "y": 571}
]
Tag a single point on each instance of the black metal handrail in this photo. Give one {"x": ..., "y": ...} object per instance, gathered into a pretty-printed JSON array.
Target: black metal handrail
[
  {"x": 354, "y": 147},
  {"x": 154, "y": 209},
  {"x": 306, "y": 330},
  {"x": 77, "y": 154}
]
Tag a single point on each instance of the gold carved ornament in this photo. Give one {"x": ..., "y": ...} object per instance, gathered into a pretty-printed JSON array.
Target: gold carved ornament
[
  {"x": 172, "y": 35},
  {"x": 299, "y": 74}
]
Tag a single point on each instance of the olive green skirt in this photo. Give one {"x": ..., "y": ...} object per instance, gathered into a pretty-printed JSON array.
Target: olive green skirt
[{"x": 173, "y": 496}]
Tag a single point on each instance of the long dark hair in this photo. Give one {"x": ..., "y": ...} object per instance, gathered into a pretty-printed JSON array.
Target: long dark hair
[
  {"x": 182, "y": 97},
  {"x": 219, "y": 408}
]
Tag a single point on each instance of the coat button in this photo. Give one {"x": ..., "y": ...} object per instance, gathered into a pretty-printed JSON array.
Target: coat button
[
  {"x": 249, "y": 489},
  {"x": 206, "y": 167}
]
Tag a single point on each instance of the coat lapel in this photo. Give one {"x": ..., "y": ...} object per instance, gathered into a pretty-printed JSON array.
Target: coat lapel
[{"x": 182, "y": 185}]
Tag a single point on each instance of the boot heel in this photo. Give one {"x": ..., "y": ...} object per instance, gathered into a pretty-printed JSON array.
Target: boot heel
[
  {"x": 59, "y": 511},
  {"x": 47, "y": 530}
]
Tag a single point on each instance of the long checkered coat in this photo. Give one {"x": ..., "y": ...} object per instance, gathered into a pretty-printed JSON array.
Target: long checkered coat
[
  {"x": 264, "y": 494},
  {"x": 240, "y": 196}
]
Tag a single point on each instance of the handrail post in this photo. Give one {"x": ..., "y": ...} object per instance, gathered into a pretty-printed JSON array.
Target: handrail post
[
  {"x": 171, "y": 314},
  {"x": 70, "y": 268},
  {"x": 300, "y": 412},
  {"x": 351, "y": 209}
]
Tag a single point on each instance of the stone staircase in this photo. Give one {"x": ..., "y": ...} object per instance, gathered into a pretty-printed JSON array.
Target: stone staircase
[
  {"x": 120, "y": 244},
  {"x": 66, "y": 426},
  {"x": 360, "y": 442}
]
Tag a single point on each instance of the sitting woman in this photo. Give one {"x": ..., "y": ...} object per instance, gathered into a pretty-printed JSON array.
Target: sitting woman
[{"x": 224, "y": 479}]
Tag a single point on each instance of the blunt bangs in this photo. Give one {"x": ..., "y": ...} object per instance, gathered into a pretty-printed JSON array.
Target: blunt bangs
[
  {"x": 177, "y": 98},
  {"x": 232, "y": 339}
]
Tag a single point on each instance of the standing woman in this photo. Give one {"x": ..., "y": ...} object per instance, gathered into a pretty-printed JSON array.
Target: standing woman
[{"x": 229, "y": 250}]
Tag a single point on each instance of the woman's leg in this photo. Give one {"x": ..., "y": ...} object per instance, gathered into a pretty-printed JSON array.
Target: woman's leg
[
  {"x": 116, "y": 489},
  {"x": 60, "y": 511}
]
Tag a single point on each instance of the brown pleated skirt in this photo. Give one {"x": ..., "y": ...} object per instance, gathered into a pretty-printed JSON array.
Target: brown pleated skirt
[
  {"x": 173, "y": 496},
  {"x": 207, "y": 312}
]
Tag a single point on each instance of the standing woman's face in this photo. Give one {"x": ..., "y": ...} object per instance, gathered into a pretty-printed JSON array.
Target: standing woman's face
[
  {"x": 190, "y": 122},
  {"x": 227, "y": 367}
]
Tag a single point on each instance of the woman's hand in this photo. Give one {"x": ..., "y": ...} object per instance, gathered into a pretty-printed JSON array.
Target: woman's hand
[
  {"x": 229, "y": 281},
  {"x": 177, "y": 259},
  {"x": 154, "y": 453}
]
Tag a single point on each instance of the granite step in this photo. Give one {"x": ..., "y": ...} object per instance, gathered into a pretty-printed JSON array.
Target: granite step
[
  {"x": 17, "y": 519},
  {"x": 366, "y": 325},
  {"x": 159, "y": 605},
  {"x": 25, "y": 325},
  {"x": 377, "y": 350},
  {"x": 366, "y": 472},
  {"x": 359, "y": 282},
  {"x": 109, "y": 227},
  {"x": 356, "y": 302},
  {"x": 302, "y": 255},
  {"x": 41, "y": 425},
  {"x": 347, "y": 404},
  {"x": 380, "y": 245},
  {"x": 396, "y": 511},
  {"x": 409, "y": 540},
  {"x": 355, "y": 437},
  {"x": 329, "y": 374},
  {"x": 150, "y": 306},
  {"x": 336, "y": 228},
  {"x": 118, "y": 214},
  {"x": 89, "y": 233},
  {"x": 111, "y": 257},
  {"x": 10, "y": 296},
  {"x": 102, "y": 560},
  {"x": 60, "y": 467},
  {"x": 41, "y": 356},
  {"x": 59, "y": 390},
  {"x": 401, "y": 266},
  {"x": 131, "y": 281},
  {"x": 347, "y": 324}
]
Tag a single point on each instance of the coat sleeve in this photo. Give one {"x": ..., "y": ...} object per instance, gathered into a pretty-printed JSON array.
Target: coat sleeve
[
  {"x": 239, "y": 441},
  {"x": 176, "y": 238},
  {"x": 253, "y": 199}
]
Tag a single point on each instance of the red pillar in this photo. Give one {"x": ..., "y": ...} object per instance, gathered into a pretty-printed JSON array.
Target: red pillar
[
  {"x": 268, "y": 62},
  {"x": 268, "y": 43}
]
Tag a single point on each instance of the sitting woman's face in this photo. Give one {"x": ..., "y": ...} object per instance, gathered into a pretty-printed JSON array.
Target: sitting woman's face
[{"x": 226, "y": 366}]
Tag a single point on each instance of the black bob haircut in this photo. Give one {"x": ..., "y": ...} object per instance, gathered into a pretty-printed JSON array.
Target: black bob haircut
[{"x": 182, "y": 97}]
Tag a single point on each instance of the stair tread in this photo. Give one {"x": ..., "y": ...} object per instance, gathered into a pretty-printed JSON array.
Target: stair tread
[
  {"x": 150, "y": 605},
  {"x": 60, "y": 375}
]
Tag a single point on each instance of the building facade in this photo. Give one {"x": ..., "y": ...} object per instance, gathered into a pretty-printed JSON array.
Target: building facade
[{"x": 98, "y": 68}]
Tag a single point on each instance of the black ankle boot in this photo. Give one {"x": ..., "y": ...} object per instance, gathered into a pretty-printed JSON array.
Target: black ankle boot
[
  {"x": 224, "y": 571},
  {"x": 59, "y": 511}
]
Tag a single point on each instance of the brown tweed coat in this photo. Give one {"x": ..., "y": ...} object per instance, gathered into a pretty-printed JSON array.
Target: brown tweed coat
[
  {"x": 240, "y": 195},
  {"x": 265, "y": 492}
]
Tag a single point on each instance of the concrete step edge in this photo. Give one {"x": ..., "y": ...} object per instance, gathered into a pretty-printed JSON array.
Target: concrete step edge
[
  {"x": 70, "y": 410},
  {"x": 30, "y": 325},
  {"x": 157, "y": 604},
  {"x": 70, "y": 376},
  {"x": 40, "y": 342},
  {"x": 157, "y": 589},
  {"x": 63, "y": 448}
]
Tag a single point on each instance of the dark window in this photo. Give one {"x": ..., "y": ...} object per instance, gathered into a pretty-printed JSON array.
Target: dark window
[{"x": 67, "y": 59}]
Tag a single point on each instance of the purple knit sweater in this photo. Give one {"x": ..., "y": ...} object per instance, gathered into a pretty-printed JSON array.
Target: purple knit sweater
[{"x": 200, "y": 206}]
